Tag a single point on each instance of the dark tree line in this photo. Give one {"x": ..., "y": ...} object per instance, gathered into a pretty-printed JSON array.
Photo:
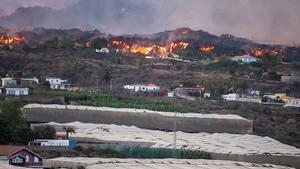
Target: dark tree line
[{"x": 13, "y": 127}]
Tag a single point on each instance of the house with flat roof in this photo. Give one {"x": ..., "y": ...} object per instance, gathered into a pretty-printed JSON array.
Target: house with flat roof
[
  {"x": 143, "y": 88},
  {"x": 16, "y": 91},
  {"x": 245, "y": 59},
  {"x": 58, "y": 83},
  {"x": 8, "y": 81}
]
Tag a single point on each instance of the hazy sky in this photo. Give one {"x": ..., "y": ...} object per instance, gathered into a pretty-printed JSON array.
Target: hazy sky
[{"x": 271, "y": 21}]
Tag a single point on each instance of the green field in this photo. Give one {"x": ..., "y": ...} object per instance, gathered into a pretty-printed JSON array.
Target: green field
[{"x": 101, "y": 99}]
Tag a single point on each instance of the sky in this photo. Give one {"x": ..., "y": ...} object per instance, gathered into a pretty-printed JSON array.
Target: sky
[{"x": 266, "y": 21}]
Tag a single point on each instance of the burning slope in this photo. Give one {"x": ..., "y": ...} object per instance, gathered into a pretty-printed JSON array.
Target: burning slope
[
  {"x": 11, "y": 39},
  {"x": 207, "y": 49},
  {"x": 263, "y": 52},
  {"x": 147, "y": 49}
]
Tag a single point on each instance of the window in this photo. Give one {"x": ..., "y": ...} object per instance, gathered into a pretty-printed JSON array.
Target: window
[
  {"x": 11, "y": 92},
  {"x": 22, "y": 92},
  {"x": 27, "y": 158},
  {"x": 17, "y": 160},
  {"x": 36, "y": 159}
]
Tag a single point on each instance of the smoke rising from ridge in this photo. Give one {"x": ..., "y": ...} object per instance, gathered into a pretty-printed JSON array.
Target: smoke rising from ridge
[{"x": 267, "y": 21}]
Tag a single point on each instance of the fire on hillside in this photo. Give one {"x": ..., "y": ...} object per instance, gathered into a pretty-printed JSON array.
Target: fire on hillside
[
  {"x": 263, "y": 52},
  {"x": 207, "y": 49},
  {"x": 11, "y": 39},
  {"x": 147, "y": 49}
]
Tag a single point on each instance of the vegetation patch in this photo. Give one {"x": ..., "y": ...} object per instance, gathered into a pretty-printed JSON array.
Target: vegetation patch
[{"x": 101, "y": 99}]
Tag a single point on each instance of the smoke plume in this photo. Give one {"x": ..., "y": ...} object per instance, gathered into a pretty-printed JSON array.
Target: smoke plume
[{"x": 266, "y": 21}]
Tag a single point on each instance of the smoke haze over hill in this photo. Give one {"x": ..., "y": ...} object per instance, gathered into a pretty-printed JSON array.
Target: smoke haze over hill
[{"x": 268, "y": 21}]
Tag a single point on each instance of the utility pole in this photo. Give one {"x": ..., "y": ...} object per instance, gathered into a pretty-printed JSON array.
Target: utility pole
[
  {"x": 111, "y": 84},
  {"x": 174, "y": 130}
]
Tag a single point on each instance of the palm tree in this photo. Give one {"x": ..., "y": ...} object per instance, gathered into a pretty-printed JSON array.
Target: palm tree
[{"x": 69, "y": 130}]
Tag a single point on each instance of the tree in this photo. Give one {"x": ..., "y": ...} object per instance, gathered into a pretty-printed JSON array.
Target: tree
[
  {"x": 67, "y": 42},
  {"x": 13, "y": 128},
  {"x": 69, "y": 130},
  {"x": 108, "y": 78},
  {"x": 174, "y": 86},
  {"x": 274, "y": 76},
  {"x": 99, "y": 43},
  {"x": 53, "y": 43},
  {"x": 44, "y": 132},
  {"x": 271, "y": 60}
]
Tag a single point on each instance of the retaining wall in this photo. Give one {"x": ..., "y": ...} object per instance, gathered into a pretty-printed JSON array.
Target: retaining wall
[{"x": 142, "y": 120}]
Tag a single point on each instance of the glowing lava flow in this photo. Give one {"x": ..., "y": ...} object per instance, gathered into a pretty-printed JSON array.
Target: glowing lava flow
[
  {"x": 263, "y": 52},
  {"x": 207, "y": 49},
  {"x": 148, "y": 49},
  {"x": 260, "y": 52},
  {"x": 8, "y": 40}
]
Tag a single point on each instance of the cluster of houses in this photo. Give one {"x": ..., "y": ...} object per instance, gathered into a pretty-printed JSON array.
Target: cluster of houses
[
  {"x": 255, "y": 96},
  {"x": 17, "y": 86},
  {"x": 20, "y": 86},
  {"x": 187, "y": 92},
  {"x": 282, "y": 98}
]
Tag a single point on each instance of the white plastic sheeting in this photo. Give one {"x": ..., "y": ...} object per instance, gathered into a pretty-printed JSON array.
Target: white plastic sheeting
[
  {"x": 215, "y": 143},
  {"x": 74, "y": 107},
  {"x": 97, "y": 163}
]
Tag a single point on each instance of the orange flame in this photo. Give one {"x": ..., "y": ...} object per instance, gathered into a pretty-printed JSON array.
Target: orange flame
[
  {"x": 8, "y": 40},
  {"x": 207, "y": 49},
  {"x": 260, "y": 52},
  {"x": 148, "y": 49}
]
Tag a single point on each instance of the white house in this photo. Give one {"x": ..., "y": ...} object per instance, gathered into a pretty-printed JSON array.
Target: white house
[
  {"x": 245, "y": 59},
  {"x": 143, "y": 88},
  {"x": 17, "y": 91},
  {"x": 207, "y": 95},
  {"x": 58, "y": 83},
  {"x": 31, "y": 80},
  {"x": 230, "y": 97},
  {"x": 8, "y": 81},
  {"x": 103, "y": 50}
]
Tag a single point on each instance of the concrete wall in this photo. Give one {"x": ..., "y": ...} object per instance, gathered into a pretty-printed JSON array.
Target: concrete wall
[{"x": 141, "y": 120}]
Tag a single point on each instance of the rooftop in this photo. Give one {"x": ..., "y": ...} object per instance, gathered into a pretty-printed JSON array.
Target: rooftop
[{"x": 244, "y": 56}]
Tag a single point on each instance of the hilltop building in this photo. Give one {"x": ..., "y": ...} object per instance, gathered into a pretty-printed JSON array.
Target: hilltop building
[
  {"x": 245, "y": 59},
  {"x": 103, "y": 50}
]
